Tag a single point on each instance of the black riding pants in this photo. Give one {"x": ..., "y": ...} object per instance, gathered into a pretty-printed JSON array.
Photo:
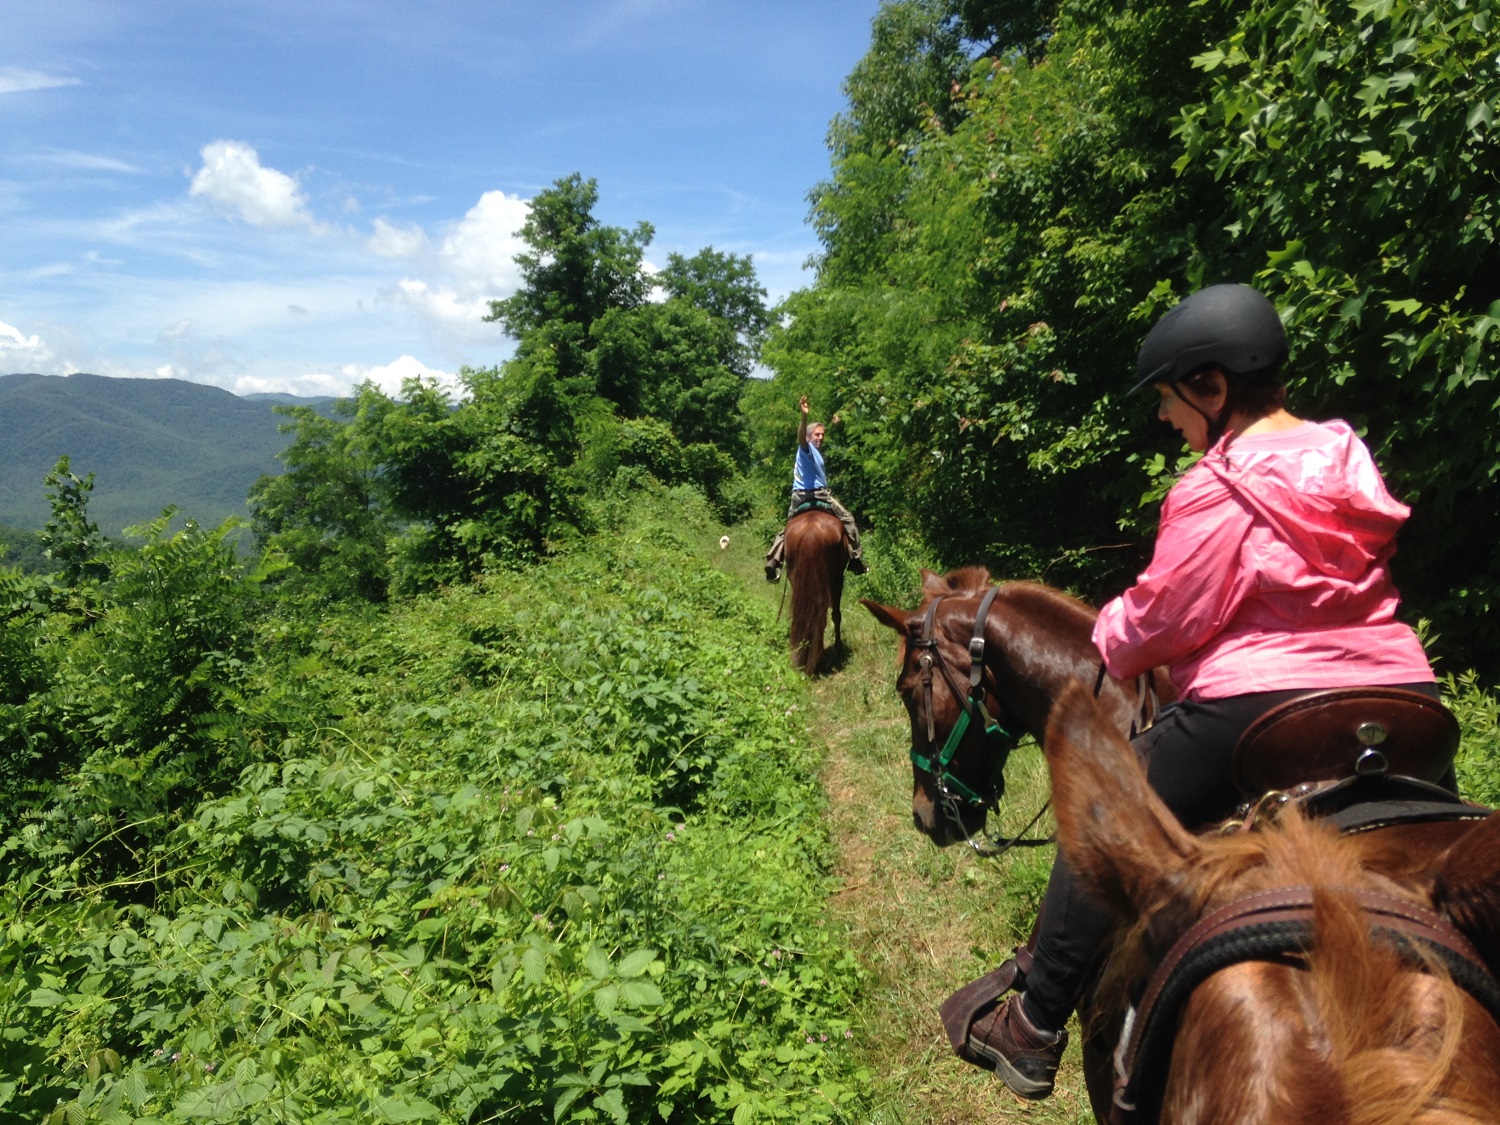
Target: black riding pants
[{"x": 1187, "y": 753}]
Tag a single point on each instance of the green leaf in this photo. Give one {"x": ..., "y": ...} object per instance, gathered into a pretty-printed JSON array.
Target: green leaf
[
  {"x": 596, "y": 961},
  {"x": 612, "y": 1102},
  {"x": 634, "y": 964},
  {"x": 1410, "y": 306},
  {"x": 606, "y": 997},
  {"x": 407, "y": 1109},
  {"x": 534, "y": 965},
  {"x": 568, "y": 1097},
  {"x": 640, "y": 994}
]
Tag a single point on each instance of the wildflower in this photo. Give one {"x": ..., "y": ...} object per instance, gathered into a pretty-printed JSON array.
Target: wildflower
[
  {"x": 765, "y": 982},
  {"x": 809, "y": 1038},
  {"x": 824, "y": 1038},
  {"x": 176, "y": 1055},
  {"x": 208, "y": 1068},
  {"x": 659, "y": 878},
  {"x": 156, "y": 1053},
  {"x": 671, "y": 835},
  {"x": 504, "y": 867},
  {"x": 848, "y": 1034}
]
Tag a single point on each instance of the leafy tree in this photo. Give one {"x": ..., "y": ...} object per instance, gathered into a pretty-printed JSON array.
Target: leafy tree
[
  {"x": 573, "y": 271},
  {"x": 1356, "y": 148},
  {"x": 988, "y": 273},
  {"x": 674, "y": 362},
  {"x": 725, "y": 286},
  {"x": 486, "y": 482},
  {"x": 325, "y": 514},
  {"x": 70, "y": 539}
]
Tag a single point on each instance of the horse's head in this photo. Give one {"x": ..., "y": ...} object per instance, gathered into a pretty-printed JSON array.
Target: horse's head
[
  {"x": 1294, "y": 1036},
  {"x": 955, "y": 764}
]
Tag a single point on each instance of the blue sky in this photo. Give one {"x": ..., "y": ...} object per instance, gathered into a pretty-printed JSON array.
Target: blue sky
[{"x": 278, "y": 196}]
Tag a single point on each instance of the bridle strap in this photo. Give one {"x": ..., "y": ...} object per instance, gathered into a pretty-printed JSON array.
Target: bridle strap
[{"x": 971, "y": 702}]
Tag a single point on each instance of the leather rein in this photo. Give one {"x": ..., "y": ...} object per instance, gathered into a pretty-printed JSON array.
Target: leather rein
[{"x": 952, "y": 789}]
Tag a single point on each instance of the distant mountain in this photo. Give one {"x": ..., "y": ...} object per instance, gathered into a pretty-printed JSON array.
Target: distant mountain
[{"x": 148, "y": 442}]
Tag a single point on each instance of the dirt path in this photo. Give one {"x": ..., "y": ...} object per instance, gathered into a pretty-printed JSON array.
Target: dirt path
[{"x": 923, "y": 920}]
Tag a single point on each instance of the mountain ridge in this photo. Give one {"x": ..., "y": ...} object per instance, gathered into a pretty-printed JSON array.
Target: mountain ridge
[{"x": 150, "y": 443}]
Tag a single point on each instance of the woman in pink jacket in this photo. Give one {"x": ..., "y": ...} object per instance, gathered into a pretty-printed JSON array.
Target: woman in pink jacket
[{"x": 1270, "y": 579}]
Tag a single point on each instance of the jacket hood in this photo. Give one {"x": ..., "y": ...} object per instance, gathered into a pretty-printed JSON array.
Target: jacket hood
[{"x": 1318, "y": 486}]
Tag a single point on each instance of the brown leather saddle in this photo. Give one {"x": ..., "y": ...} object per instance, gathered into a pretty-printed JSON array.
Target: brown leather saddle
[{"x": 1341, "y": 733}]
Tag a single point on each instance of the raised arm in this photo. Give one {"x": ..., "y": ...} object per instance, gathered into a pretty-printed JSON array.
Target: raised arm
[{"x": 802, "y": 423}]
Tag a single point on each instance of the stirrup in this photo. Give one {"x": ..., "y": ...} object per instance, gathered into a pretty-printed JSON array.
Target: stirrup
[{"x": 960, "y": 1010}]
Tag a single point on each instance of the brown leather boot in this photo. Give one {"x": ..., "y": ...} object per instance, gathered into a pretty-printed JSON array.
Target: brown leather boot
[{"x": 1022, "y": 1054}]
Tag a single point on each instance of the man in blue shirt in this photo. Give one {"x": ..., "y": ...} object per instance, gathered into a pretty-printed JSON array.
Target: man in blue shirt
[{"x": 810, "y": 482}]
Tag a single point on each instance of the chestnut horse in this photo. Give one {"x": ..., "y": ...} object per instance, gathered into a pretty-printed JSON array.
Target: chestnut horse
[
  {"x": 1036, "y": 650},
  {"x": 1353, "y": 1026},
  {"x": 1038, "y": 641},
  {"x": 817, "y": 552}
]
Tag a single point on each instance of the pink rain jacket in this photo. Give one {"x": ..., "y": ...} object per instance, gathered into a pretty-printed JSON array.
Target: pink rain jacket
[{"x": 1271, "y": 572}]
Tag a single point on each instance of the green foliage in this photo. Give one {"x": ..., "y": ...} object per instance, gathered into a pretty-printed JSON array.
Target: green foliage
[
  {"x": 573, "y": 271},
  {"x": 999, "y": 231},
  {"x": 71, "y": 540},
  {"x": 674, "y": 362},
  {"x": 725, "y": 287},
  {"x": 544, "y": 847},
  {"x": 24, "y": 550},
  {"x": 1354, "y": 147},
  {"x": 1478, "y": 714},
  {"x": 432, "y": 489},
  {"x": 123, "y": 730},
  {"x": 325, "y": 513}
]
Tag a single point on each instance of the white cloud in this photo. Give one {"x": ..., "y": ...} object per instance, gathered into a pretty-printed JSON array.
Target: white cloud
[
  {"x": 81, "y": 161},
  {"x": 474, "y": 264},
  {"x": 389, "y": 377},
  {"x": 14, "y": 80},
  {"x": 19, "y": 352},
  {"x": 387, "y": 240},
  {"x": 235, "y": 181},
  {"x": 479, "y": 251}
]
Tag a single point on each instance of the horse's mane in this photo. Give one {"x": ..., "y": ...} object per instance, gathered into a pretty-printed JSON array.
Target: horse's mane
[
  {"x": 1346, "y": 995},
  {"x": 975, "y": 580}
]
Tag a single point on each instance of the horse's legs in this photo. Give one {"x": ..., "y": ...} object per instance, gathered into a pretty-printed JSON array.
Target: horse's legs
[{"x": 837, "y": 590}]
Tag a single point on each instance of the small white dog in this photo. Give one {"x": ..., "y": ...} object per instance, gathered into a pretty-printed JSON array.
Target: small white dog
[{"x": 723, "y": 542}]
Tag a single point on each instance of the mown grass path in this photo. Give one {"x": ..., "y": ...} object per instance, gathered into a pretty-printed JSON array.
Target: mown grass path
[{"x": 924, "y": 921}]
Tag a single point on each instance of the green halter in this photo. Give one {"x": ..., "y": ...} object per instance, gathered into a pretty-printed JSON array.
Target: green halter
[{"x": 973, "y": 708}]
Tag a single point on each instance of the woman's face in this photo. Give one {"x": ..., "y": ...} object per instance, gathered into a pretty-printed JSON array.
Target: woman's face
[{"x": 1178, "y": 407}]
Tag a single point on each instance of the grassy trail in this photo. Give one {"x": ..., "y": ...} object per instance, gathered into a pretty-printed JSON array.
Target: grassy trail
[{"x": 923, "y": 920}]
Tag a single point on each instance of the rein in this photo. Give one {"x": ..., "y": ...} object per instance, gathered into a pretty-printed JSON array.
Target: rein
[
  {"x": 950, "y": 786},
  {"x": 1271, "y": 926}
]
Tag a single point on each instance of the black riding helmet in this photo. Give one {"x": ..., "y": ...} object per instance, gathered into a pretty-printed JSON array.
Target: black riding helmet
[{"x": 1232, "y": 327}]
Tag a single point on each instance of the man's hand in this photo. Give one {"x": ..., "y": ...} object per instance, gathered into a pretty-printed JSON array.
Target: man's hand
[{"x": 802, "y": 404}]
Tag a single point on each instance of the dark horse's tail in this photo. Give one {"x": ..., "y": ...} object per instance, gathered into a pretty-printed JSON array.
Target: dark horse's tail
[{"x": 816, "y": 555}]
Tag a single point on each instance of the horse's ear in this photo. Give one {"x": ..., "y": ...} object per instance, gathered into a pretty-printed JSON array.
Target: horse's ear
[
  {"x": 1114, "y": 831},
  {"x": 889, "y": 616},
  {"x": 1467, "y": 887},
  {"x": 934, "y": 583}
]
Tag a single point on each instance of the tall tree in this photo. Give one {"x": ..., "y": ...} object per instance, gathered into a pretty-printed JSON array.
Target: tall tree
[
  {"x": 725, "y": 286},
  {"x": 573, "y": 271}
]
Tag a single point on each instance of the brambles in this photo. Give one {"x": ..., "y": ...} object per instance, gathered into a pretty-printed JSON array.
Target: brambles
[{"x": 547, "y": 845}]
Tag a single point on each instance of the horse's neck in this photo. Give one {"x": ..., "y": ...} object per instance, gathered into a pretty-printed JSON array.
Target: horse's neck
[{"x": 1039, "y": 664}]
